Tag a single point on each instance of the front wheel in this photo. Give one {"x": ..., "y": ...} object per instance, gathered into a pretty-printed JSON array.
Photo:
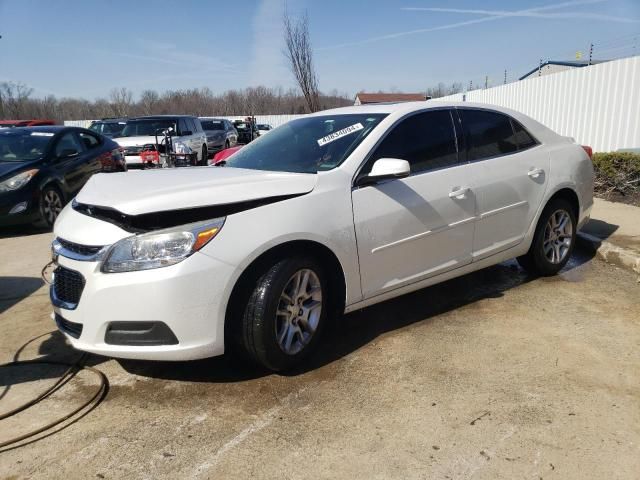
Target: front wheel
[
  {"x": 51, "y": 203},
  {"x": 553, "y": 240},
  {"x": 203, "y": 160},
  {"x": 285, "y": 313}
]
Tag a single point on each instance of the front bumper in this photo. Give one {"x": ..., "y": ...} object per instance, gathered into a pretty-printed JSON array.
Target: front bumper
[
  {"x": 23, "y": 196},
  {"x": 189, "y": 298}
]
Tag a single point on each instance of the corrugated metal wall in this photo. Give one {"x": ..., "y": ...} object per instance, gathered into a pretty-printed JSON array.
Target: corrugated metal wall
[
  {"x": 597, "y": 105},
  {"x": 273, "y": 120}
]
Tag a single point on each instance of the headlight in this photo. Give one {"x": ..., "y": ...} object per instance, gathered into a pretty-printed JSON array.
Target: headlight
[
  {"x": 17, "y": 181},
  {"x": 161, "y": 248}
]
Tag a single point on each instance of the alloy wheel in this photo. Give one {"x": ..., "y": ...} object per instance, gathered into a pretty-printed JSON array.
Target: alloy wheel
[
  {"x": 51, "y": 206},
  {"x": 299, "y": 310},
  {"x": 558, "y": 235}
]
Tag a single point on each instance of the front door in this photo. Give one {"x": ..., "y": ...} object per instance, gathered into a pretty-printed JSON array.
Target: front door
[{"x": 412, "y": 228}]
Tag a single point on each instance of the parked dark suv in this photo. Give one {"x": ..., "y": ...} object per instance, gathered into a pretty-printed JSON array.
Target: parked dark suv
[
  {"x": 42, "y": 168},
  {"x": 109, "y": 127}
]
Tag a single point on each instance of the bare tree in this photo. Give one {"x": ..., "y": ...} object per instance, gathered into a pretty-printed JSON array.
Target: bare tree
[
  {"x": 13, "y": 98},
  {"x": 148, "y": 101},
  {"x": 300, "y": 56},
  {"x": 121, "y": 101}
]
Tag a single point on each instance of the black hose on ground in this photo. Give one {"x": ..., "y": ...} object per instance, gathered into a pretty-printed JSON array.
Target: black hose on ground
[{"x": 69, "y": 373}]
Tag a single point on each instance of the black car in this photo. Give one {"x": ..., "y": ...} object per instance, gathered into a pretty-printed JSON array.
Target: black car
[
  {"x": 109, "y": 127},
  {"x": 42, "y": 168}
]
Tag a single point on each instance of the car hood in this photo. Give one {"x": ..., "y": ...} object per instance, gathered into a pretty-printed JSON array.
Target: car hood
[
  {"x": 8, "y": 169},
  {"x": 140, "y": 192},
  {"x": 137, "y": 141}
]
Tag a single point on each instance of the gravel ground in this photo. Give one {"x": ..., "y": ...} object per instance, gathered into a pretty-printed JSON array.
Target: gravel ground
[{"x": 492, "y": 375}]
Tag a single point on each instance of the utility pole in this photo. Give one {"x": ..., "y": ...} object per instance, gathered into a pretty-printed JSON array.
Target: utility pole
[
  {"x": 486, "y": 82},
  {"x": 505, "y": 77},
  {"x": 540, "y": 68},
  {"x": 470, "y": 84},
  {"x": 590, "y": 53}
]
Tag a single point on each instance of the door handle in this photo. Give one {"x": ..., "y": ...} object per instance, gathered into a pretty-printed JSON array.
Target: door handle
[
  {"x": 535, "y": 172},
  {"x": 459, "y": 192}
]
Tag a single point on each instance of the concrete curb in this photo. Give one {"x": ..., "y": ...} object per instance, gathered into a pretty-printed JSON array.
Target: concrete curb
[{"x": 607, "y": 251}]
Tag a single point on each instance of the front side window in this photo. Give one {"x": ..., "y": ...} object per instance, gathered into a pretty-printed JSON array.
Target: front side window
[
  {"x": 426, "y": 140},
  {"x": 488, "y": 134},
  {"x": 307, "y": 145}
]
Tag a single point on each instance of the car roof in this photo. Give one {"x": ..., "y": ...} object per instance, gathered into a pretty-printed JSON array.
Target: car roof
[
  {"x": 161, "y": 117},
  {"x": 407, "y": 107},
  {"x": 43, "y": 128}
]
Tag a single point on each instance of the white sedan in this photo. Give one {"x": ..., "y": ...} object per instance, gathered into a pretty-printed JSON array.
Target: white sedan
[{"x": 327, "y": 214}]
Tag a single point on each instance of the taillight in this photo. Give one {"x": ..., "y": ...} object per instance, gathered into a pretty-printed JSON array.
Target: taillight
[{"x": 589, "y": 151}]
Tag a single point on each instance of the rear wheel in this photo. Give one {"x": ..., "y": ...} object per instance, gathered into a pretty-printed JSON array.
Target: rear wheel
[
  {"x": 281, "y": 321},
  {"x": 51, "y": 203},
  {"x": 553, "y": 240}
]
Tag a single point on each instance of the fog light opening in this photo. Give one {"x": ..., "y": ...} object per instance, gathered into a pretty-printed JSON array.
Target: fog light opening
[{"x": 18, "y": 208}]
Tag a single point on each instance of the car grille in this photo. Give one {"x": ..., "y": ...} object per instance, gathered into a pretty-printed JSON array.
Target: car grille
[
  {"x": 67, "y": 286},
  {"x": 70, "y": 328},
  {"x": 83, "y": 250}
]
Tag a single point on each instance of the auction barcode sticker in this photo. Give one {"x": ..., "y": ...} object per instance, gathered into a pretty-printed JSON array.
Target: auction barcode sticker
[{"x": 339, "y": 134}]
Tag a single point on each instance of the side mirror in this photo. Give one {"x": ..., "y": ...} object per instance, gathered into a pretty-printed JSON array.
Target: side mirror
[
  {"x": 386, "y": 169},
  {"x": 68, "y": 152},
  {"x": 185, "y": 133}
]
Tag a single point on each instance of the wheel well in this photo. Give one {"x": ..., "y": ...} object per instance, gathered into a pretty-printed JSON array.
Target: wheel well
[
  {"x": 53, "y": 184},
  {"x": 571, "y": 197},
  {"x": 251, "y": 274}
]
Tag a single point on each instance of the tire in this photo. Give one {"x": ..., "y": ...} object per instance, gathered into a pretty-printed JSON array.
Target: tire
[
  {"x": 275, "y": 332},
  {"x": 203, "y": 159},
  {"x": 553, "y": 240},
  {"x": 51, "y": 203}
]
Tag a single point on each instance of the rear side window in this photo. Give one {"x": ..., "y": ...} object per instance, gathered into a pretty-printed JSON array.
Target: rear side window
[
  {"x": 488, "y": 134},
  {"x": 426, "y": 140},
  {"x": 89, "y": 141},
  {"x": 523, "y": 138}
]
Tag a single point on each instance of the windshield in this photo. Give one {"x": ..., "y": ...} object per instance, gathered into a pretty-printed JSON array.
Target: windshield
[
  {"x": 307, "y": 145},
  {"x": 107, "y": 128},
  {"x": 147, "y": 128},
  {"x": 212, "y": 125},
  {"x": 20, "y": 146}
]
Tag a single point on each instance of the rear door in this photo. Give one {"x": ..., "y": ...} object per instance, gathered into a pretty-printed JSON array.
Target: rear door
[
  {"x": 412, "y": 228},
  {"x": 97, "y": 157},
  {"x": 510, "y": 170},
  {"x": 69, "y": 166}
]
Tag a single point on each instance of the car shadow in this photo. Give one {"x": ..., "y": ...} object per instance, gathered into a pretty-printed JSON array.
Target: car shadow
[
  {"x": 15, "y": 289},
  {"x": 599, "y": 229},
  {"x": 352, "y": 331},
  {"x": 21, "y": 231},
  {"x": 345, "y": 335}
]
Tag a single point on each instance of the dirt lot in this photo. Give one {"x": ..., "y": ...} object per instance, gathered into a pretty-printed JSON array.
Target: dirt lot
[{"x": 493, "y": 375}]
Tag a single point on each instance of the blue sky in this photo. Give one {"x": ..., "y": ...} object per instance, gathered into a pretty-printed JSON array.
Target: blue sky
[{"x": 86, "y": 48}]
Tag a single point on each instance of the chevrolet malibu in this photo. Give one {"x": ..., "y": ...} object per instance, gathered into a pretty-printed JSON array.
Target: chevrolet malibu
[{"x": 327, "y": 214}]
